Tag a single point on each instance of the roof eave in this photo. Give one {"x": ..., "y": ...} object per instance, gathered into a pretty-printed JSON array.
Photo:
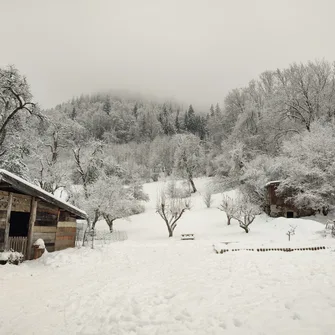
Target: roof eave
[{"x": 26, "y": 188}]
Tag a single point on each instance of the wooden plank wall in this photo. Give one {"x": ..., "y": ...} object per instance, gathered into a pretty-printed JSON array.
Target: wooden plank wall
[
  {"x": 21, "y": 203},
  {"x": 3, "y": 217},
  {"x": 46, "y": 224},
  {"x": 66, "y": 231},
  {"x": 3, "y": 200},
  {"x": 57, "y": 228}
]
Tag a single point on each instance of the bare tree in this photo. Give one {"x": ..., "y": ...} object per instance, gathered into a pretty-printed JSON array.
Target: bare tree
[
  {"x": 207, "y": 197},
  {"x": 171, "y": 210},
  {"x": 307, "y": 91},
  {"x": 245, "y": 212},
  {"x": 228, "y": 206},
  {"x": 87, "y": 164},
  {"x": 15, "y": 98},
  {"x": 291, "y": 232},
  {"x": 188, "y": 158}
]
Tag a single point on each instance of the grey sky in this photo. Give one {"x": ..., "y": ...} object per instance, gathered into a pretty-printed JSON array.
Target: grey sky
[{"x": 192, "y": 50}]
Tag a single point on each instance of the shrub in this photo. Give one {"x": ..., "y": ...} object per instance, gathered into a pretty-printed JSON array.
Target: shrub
[{"x": 175, "y": 192}]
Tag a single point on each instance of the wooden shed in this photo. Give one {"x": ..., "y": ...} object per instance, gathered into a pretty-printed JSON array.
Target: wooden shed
[
  {"x": 28, "y": 213},
  {"x": 276, "y": 205}
]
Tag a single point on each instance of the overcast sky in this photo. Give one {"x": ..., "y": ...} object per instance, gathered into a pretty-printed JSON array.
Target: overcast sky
[{"x": 192, "y": 50}]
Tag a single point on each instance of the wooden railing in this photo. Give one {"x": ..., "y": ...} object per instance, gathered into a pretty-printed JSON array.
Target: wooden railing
[{"x": 18, "y": 243}]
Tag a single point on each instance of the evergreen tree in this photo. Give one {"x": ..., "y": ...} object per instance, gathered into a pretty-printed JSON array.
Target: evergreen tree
[
  {"x": 217, "y": 110},
  {"x": 177, "y": 123},
  {"x": 211, "y": 110},
  {"x": 73, "y": 113},
  {"x": 107, "y": 106},
  {"x": 135, "y": 111}
]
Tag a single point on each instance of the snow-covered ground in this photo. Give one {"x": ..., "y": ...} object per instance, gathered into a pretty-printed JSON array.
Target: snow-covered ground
[{"x": 150, "y": 284}]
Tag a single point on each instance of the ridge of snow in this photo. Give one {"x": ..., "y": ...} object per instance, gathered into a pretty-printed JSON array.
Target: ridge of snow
[{"x": 273, "y": 182}]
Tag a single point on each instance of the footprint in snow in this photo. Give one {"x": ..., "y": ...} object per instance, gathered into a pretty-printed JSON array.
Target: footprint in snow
[
  {"x": 222, "y": 325},
  {"x": 296, "y": 316},
  {"x": 288, "y": 305},
  {"x": 237, "y": 323}
]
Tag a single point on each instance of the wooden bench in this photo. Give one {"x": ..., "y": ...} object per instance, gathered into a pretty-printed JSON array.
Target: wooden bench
[{"x": 187, "y": 236}]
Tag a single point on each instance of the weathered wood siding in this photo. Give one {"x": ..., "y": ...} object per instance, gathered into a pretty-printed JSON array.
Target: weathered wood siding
[
  {"x": 21, "y": 203},
  {"x": 3, "y": 200},
  {"x": 45, "y": 226},
  {"x": 3, "y": 217},
  {"x": 66, "y": 231},
  {"x": 57, "y": 228}
]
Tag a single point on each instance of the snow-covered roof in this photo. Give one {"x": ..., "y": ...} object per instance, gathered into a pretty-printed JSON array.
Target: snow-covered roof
[
  {"x": 273, "y": 182},
  {"x": 26, "y": 187}
]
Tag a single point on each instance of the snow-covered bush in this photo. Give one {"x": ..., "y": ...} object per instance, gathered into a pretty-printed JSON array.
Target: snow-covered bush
[
  {"x": 207, "y": 197},
  {"x": 174, "y": 191},
  {"x": 11, "y": 257},
  {"x": 15, "y": 257},
  {"x": 229, "y": 167}
]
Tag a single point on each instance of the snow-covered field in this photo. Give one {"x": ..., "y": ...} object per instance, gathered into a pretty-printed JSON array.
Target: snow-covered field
[{"x": 152, "y": 285}]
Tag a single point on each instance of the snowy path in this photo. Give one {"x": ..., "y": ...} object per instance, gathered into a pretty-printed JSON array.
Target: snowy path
[{"x": 172, "y": 287}]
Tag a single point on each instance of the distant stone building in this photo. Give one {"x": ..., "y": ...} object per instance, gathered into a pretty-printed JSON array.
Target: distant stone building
[{"x": 276, "y": 205}]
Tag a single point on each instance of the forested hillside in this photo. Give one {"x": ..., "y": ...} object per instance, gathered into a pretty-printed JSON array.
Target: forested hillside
[{"x": 279, "y": 126}]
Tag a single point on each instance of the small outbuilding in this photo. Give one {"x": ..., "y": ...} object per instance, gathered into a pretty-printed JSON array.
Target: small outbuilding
[
  {"x": 276, "y": 205},
  {"x": 28, "y": 213}
]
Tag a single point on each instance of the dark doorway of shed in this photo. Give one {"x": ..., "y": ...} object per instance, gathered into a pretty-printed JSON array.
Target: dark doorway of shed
[
  {"x": 289, "y": 215},
  {"x": 19, "y": 224}
]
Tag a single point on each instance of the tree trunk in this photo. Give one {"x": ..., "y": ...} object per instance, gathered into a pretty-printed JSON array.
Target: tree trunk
[
  {"x": 87, "y": 230},
  {"x": 194, "y": 190},
  {"x": 325, "y": 210},
  {"x": 228, "y": 219},
  {"x": 95, "y": 219},
  {"x": 244, "y": 227},
  {"x": 170, "y": 230},
  {"x": 110, "y": 225}
]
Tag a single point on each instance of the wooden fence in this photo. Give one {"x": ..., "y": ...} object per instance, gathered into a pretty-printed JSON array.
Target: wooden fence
[
  {"x": 100, "y": 236},
  {"x": 18, "y": 243}
]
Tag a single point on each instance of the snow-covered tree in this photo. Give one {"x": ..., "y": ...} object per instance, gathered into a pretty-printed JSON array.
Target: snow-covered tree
[
  {"x": 171, "y": 210},
  {"x": 229, "y": 206},
  {"x": 187, "y": 157},
  {"x": 87, "y": 162},
  {"x": 16, "y": 109},
  {"x": 108, "y": 198},
  {"x": 245, "y": 212},
  {"x": 308, "y": 162},
  {"x": 15, "y": 99}
]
